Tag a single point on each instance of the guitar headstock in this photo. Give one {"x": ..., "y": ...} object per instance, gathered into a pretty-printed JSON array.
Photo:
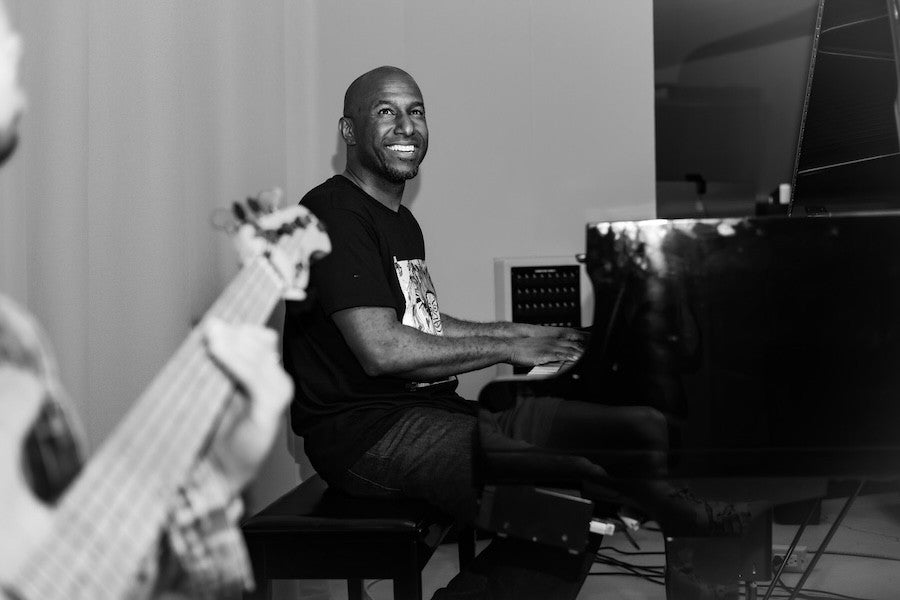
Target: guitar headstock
[{"x": 290, "y": 237}]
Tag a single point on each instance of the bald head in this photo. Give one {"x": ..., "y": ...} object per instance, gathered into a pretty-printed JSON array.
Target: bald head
[
  {"x": 357, "y": 94},
  {"x": 384, "y": 127}
]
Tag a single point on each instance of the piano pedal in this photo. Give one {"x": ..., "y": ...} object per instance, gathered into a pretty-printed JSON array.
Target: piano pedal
[
  {"x": 629, "y": 523},
  {"x": 560, "y": 518}
]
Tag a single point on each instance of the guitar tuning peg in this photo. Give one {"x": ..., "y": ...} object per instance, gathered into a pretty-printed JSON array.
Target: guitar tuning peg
[{"x": 239, "y": 213}]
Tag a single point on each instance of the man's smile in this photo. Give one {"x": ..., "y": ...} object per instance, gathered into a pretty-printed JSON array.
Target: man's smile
[{"x": 402, "y": 148}]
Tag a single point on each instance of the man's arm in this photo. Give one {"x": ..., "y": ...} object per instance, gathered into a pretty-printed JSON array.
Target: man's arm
[
  {"x": 384, "y": 346},
  {"x": 454, "y": 327}
]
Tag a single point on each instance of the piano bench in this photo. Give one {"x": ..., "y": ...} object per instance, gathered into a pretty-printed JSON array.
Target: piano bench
[{"x": 313, "y": 532}]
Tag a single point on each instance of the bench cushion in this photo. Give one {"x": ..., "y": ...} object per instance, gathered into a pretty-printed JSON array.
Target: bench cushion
[{"x": 315, "y": 508}]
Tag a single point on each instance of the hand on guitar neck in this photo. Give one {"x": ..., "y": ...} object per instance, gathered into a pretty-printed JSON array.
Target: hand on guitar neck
[
  {"x": 250, "y": 355},
  {"x": 94, "y": 542}
]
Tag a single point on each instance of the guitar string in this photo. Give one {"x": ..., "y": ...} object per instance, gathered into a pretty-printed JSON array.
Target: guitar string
[
  {"x": 264, "y": 308},
  {"x": 137, "y": 433},
  {"x": 186, "y": 419},
  {"x": 192, "y": 412},
  {"x": 88, "y": 522},
  {"x": 113, "y": 479},
  {"x": 180, "y": 386}
]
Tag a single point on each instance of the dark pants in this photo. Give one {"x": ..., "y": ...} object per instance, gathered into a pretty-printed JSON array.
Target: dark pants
[{"x": 428, "y": 454}]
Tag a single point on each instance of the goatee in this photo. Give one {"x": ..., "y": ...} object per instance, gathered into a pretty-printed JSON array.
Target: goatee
[{"x": 398, "y": 176}]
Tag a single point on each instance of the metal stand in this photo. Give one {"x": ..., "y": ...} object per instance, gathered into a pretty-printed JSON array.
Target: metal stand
[{"x": 821, "y": 549}]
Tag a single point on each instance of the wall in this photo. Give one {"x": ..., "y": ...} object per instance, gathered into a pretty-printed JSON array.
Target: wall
[{"x": 742, "y": 67}]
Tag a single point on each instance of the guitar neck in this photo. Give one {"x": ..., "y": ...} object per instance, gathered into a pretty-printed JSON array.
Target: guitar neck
[{"x": 119, "y": 503}]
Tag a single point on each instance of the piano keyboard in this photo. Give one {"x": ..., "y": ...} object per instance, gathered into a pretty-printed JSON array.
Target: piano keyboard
[{"x": 551, "y": 368}]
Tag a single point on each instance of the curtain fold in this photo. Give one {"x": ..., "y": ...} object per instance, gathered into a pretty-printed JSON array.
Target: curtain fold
[{"x": 143, "y": 118}]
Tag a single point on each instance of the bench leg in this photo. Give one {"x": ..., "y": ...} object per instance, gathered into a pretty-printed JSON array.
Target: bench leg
[
  {"x": 408, "y": 588},
  {"x": 354, "y": 589},
  {"x": 465, "y": 535}
]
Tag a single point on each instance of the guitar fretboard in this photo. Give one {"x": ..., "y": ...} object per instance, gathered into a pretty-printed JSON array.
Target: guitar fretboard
[{"x": 116, "y": 508}]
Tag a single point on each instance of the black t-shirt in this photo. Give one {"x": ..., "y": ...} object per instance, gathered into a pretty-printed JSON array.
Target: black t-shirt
[{"x": 377, "y": 259}]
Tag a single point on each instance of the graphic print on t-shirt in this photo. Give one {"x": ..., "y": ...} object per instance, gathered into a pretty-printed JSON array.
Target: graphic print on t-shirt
[{"x": 421, "y": 300}]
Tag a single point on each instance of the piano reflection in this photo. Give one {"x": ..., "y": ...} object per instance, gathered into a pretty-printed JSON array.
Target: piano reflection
[{"x": 758, "y": 357}]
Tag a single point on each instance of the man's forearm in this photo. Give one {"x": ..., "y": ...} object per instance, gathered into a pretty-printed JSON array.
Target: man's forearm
[
  {"x": 425, "y": 357},
  {"x": 454, "y": 328},
  {"x": 385, "y": 347}
]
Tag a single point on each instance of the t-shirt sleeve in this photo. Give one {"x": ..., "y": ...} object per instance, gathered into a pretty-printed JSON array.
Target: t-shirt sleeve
[{"x": 352, "y": 274}]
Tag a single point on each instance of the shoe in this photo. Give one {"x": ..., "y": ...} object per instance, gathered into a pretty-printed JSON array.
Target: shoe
[{"x": 686, "y": 514}]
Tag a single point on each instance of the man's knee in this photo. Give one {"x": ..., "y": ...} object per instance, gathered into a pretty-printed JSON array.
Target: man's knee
[{"x": 649, "y": 428}]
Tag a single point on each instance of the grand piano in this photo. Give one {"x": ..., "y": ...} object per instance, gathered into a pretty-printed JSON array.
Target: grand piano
[
  {"x": 770, "y": 344},
  {"x": 773, "y": 343}
]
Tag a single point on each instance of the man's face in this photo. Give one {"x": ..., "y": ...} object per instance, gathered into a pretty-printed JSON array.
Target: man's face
[
  {"x": 391, "y": 136},
  {"x": 12, "y": 99}
]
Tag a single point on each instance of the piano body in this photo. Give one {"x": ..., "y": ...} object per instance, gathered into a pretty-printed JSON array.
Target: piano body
[{"x": 771, "y": 345}]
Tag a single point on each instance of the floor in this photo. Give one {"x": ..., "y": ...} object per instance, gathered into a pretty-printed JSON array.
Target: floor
[{"x": 862, "y": 561}]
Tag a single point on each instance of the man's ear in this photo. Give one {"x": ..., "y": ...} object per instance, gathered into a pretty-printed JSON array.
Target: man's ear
[{"x": 346, "y": 127}]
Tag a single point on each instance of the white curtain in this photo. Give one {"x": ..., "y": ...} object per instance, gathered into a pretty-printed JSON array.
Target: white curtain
[{"x": 144, "y": 117}]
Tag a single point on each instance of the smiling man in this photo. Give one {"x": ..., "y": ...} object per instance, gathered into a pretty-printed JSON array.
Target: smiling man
[
  {"x": 386, "y": 133},
  {"x": 375, "y": 360}
]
